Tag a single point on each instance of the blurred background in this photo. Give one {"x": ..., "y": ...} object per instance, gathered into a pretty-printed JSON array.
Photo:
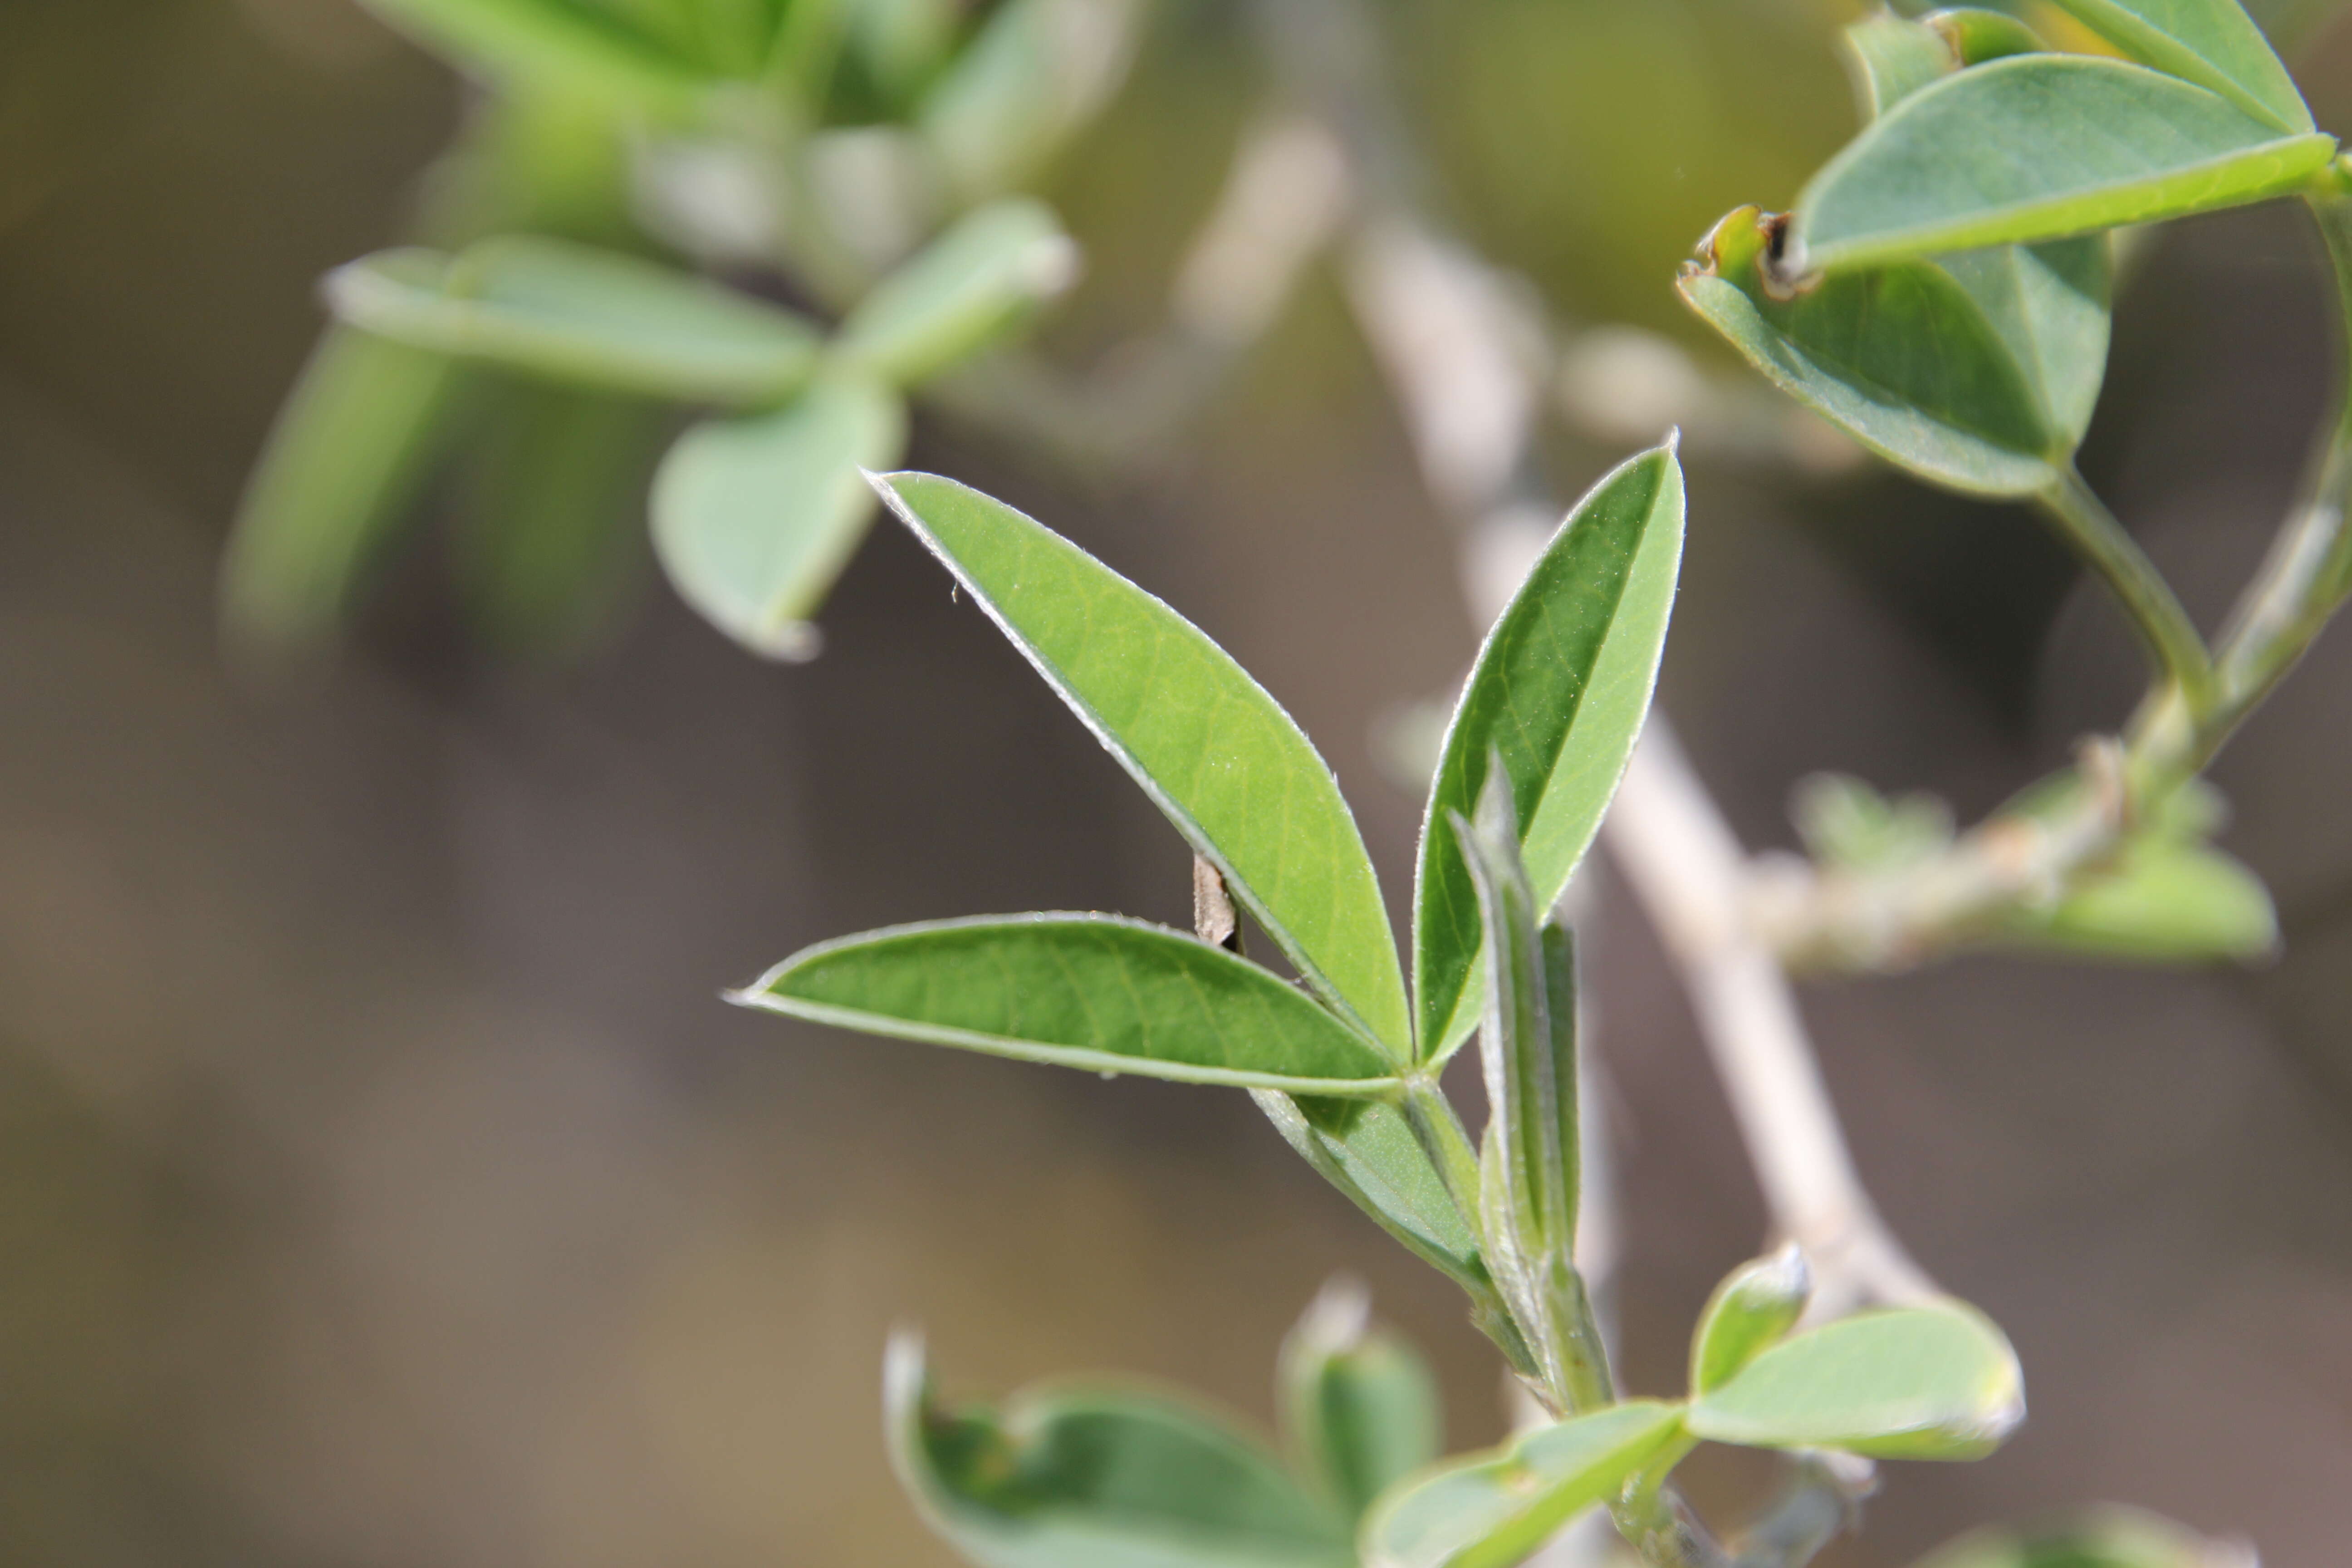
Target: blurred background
[{"x": 383, "y": 1182}]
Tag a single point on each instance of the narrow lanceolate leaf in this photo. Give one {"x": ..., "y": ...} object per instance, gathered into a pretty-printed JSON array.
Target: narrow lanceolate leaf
[
  {"x": 578, "y": 314},
  {"x": 754, "y": 518},
  {"x": 2104, "y": 1537},
  {"x": 1493, "y": 1511},
  {"x": 1978, "y": 372},
  {"x": 1561, "y": 690},
  {"x": 590, "y": 53},
  {"x": 1365, "y": 1148},
  {"x": 352, "y": 443},
  {"x": 2210, "y": 42},
  {"x": 1213, "y": 751},
  {"x": 1359, "y": 1404},
  {"x": 2038, "y": 147},
  {"x": 1097, "y": 1475},
  {"x": 1077, "y": 990},
  {"x": 1756, "y": 1304},
  {"x": 967, "y": 288},
  {"x": 2165, "y": 903},
  {"x": 1917, "y": 1383}
]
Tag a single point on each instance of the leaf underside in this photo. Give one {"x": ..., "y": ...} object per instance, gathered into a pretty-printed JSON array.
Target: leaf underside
[{"x": 1977, "y": 371}]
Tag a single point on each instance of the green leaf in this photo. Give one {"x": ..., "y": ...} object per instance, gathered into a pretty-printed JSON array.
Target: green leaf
[
  {"x": 590, "y": 53},
  {"x": 2212, "y": 43},
  {"x": 2163, "y": 903},
  {"x": 2038, "y": 147},
  {"x": 2102, "y": 1537},
  {"x": 1365, "y": 1148},
  {"x": 355, "y": 438},
  {"x": 1493, "y": 1510},
  {"x": 581, "y": 315},
  {"x": 1561, "y": 690},
  {"x": 1213, "y": 751},
  {"x": 1755, "y": 1305},
  {"x": 1360, "y": 1406},
  {"x": 2050, "y": 305},
  {"x": 1076, "y": 990},
  {"x": 1036, "y": 71},
  {"x": 754, "y": 518},
  {"x": 1916, "y": 1382},
  {"x": 1092, "y": 1476},
  {"x": 1890, "y": 58},
  {"x": 1974, "y": 35},
  {"x": 1978, "y": 372},
  {"x": 959, "y": 294}
]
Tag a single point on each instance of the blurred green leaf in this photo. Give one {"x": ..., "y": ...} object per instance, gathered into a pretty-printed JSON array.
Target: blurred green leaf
[
  {"x": 1359, "y": 1405},
  {"x": 1493, "y": 1510},
  {"x": 1367, "y": 1149},
  {"x": 1891, "y": 58},
  {"x": 1757, "y": 1303},
  {"x": 1089, "y": 1476},
  {"x": 2164, "y": 902},
  {"x": 582, "y": 316},
  {"x": 2105, "y": 1537},
  {"x": 1979, "y": 372},
  {"x": 1561, "y": 690},
  {"x": 553, "y": 502},
  {"x": 902, "y": 44},
  {"x": 355, "y": 438},
  {"x": 1847, "y": 824},
  {"x": 1211, "y": 748},
  {"x": 966, "y": 290},
  {"x": 1037, "y": 70},
  {"x": 1083, "y": 991},
  {"x": 754, "y": 517},
  {"x": 2212, "y": 43},
  {"x": 1917, "y": 1383},
  {"x": 2038, "y": 147},
  {"x": 1976, "y": 35},
  {"x": 595, "y": 54}
]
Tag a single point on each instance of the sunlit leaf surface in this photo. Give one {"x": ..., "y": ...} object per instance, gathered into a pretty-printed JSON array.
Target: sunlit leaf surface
[
  {"x": 1076, "y": 990},
  {"x": 1213, "y": 751},
  {"x": 1561, "y": 690}
]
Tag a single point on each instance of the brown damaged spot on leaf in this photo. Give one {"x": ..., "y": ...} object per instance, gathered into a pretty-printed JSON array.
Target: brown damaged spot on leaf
[
  {"x": 1749, "y": 237},
  {"x": 1782, "y": 278}
]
